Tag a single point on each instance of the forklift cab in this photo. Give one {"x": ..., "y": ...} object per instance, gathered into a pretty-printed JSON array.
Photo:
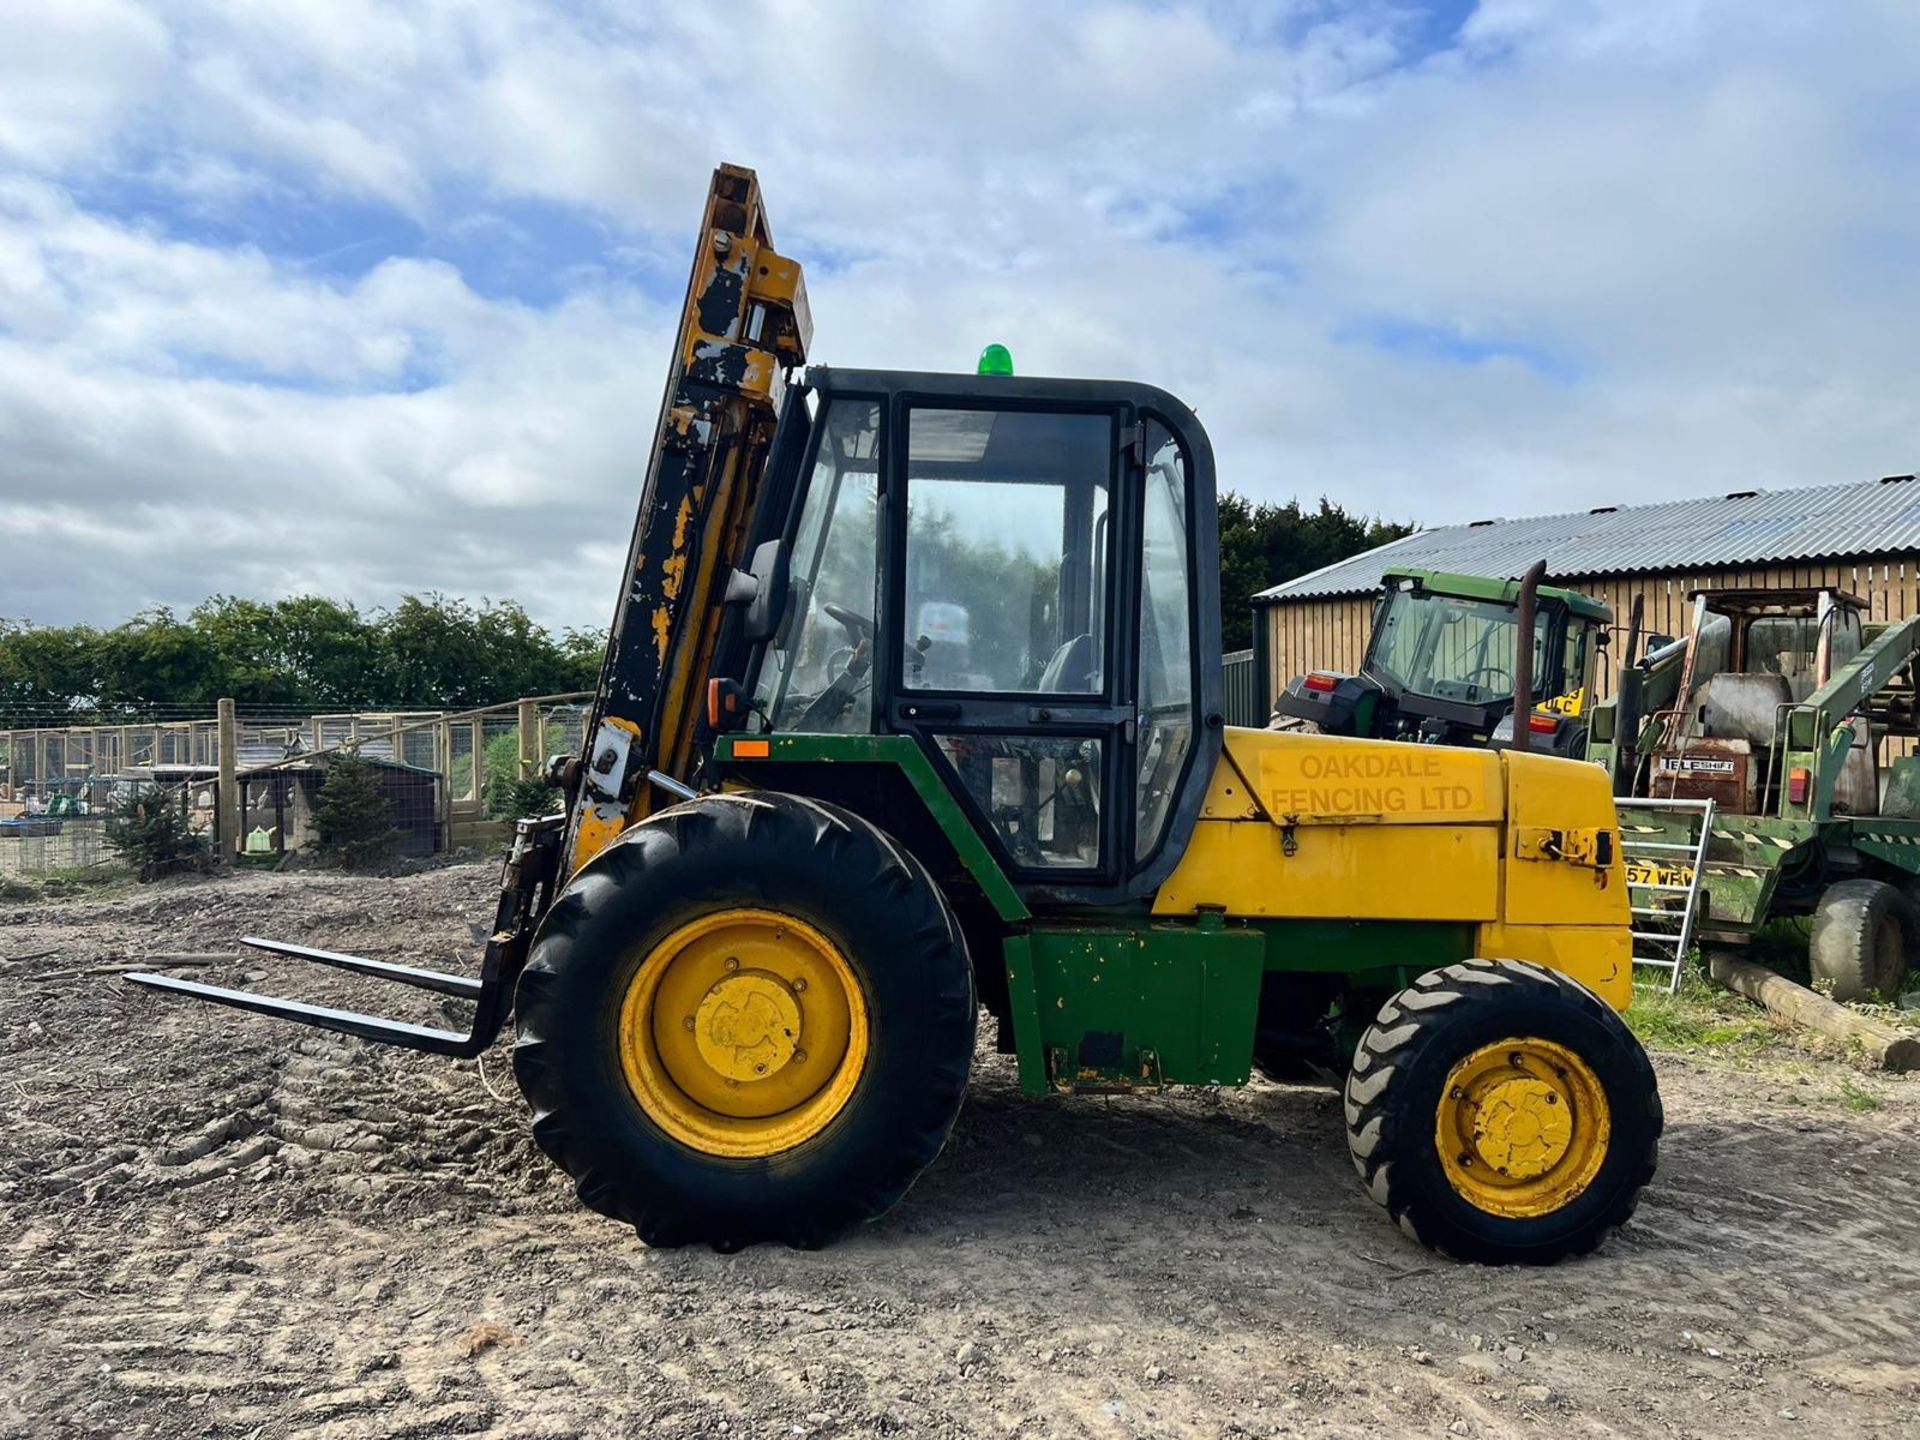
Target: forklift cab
[{"x": 1006, "y": 571}]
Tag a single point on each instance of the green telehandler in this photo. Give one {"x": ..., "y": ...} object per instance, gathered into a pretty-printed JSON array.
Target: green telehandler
[{"x": 1777, "y": 708}]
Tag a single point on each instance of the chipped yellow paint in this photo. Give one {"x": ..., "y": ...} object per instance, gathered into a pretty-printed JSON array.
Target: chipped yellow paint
[{"x": 662, "y": 631}]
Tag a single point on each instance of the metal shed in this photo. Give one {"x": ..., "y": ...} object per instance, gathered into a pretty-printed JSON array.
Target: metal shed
[{"x": 1862, "y": 537}]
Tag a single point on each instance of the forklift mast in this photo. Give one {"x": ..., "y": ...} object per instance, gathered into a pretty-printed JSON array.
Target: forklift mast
[{"x": 744, "y": 324}]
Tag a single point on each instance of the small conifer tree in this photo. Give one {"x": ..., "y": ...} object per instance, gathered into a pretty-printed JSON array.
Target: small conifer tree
[
  {"x": 352, "y": 816},
  {"x": 147, "y": 829}
]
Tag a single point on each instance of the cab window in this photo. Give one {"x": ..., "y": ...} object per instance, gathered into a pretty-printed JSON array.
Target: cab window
[
  {"x": 818, "y": 672},
  {"x": 1005, "y": 554}
]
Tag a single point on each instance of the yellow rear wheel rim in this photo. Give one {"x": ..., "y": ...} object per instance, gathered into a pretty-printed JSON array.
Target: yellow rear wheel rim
[
  {"x": 1522, "y": 1127},
  {"x": 743, "y": 1033}
]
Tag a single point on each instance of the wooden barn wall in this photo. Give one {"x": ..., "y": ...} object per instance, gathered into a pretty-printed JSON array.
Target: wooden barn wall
[{"x": 1332, "y": 634}]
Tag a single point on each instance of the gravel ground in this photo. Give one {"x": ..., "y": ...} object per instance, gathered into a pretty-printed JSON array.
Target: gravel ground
[{"x": 214, "y": 1225}]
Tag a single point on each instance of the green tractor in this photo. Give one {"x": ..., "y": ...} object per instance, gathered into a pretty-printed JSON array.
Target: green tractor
[{"x": 1441, "y": 666}]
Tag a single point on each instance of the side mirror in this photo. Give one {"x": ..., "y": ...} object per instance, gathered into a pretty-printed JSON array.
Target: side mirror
[{"x": 762, "y": 590}]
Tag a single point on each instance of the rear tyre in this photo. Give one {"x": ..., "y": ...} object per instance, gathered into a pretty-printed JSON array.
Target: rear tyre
[
  {"x": 750, "y": 1019},
  {"x": 1859, "y": 942},
  {"x": 1501, "y": 1112}
]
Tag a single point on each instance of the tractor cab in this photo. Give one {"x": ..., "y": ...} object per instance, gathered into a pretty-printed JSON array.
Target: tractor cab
[
  {"x": 1439, "y": 667},
  {"x": 1003, "y": 571}
]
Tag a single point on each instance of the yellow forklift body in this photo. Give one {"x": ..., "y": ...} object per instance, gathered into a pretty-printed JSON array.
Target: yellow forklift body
[{"x": 1526, "y": 847}]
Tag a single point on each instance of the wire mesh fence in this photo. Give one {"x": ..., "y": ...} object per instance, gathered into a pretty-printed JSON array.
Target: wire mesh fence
[{"x": 449, "y": 778}]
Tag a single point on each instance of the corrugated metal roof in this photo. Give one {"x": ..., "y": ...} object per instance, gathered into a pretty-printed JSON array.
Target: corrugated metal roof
[{"x": 1756, "y": 527}]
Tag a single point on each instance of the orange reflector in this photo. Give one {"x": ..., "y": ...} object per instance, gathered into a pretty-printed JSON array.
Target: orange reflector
[
  {"x": 713, "y": 703},
  {"x": 1317, "y": 681},
  {"x": 1797, "y": 785},
  {"x": 1543, "y": 724},
  {"x": 752, "y": 749}
]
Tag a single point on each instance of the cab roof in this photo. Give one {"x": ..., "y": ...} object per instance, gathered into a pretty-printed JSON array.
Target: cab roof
[{"x": 1482, "y": 587}]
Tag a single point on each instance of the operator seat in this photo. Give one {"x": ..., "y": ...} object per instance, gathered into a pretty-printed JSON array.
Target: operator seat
[{"x": 1070, "y": 670}]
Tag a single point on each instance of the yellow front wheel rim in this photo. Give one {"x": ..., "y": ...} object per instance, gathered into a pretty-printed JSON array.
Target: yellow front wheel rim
[
  {"x": 1522, "y": 1127},
  {"x": 743, "y": 1033}
]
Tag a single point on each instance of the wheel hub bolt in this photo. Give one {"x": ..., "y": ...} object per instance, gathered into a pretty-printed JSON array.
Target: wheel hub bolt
[
  {"x": 1456, "y": 1093},
  {"x": 1552, "y": 1099},
  {"x": 798, "y": 1056},
  {"x": 800, "y": 984},
  {"x": 733, "y": 962},
  {"x": 688, "y": 1022}
]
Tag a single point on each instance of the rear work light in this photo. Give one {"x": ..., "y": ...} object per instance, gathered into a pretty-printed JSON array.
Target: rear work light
[
  {"x": 1323, "y": 683},
  {"x": 1797, "y": 785},
  {"x": 1543, "y": 724}
]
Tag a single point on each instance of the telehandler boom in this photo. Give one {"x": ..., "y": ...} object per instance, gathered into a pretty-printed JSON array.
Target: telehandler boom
[{"x": 911, "y": 705}]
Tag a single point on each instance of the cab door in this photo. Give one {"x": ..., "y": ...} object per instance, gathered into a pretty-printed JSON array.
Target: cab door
[{"x": 1006, "y": 660}]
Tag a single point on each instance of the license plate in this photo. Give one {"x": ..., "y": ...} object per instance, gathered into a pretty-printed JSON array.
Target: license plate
[{"x": 1652, "y": 872}]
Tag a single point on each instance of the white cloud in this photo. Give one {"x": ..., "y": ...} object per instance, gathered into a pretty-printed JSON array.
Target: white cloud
[{"x": 1670, "y": 243}]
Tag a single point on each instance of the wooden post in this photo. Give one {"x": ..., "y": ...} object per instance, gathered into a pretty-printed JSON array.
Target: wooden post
[
  {"x": 228, "y": 741},
  {"x": 530, "y": 739},
  {"x": 1882, "y": 1044}
]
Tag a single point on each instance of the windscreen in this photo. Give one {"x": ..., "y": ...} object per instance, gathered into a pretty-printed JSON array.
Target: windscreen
[{"x": 1452, "y": 648}]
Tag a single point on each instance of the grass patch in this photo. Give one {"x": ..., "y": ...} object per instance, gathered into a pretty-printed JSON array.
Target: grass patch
[
  {"x": 1856, "y": 1096},
  {"x": 65, "y": 882},
  {"x": 1699, "y": 1015}
]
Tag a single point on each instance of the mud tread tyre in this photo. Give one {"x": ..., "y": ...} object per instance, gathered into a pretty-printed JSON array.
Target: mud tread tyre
[
  {"x": 1843, "y": 949},
  {"x": 782, "y": 852},
  {"x": 1393, "y": 1091}
]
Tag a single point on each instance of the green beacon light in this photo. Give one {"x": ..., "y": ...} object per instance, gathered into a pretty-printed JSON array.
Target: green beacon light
[{"x": 996, "y": 360}]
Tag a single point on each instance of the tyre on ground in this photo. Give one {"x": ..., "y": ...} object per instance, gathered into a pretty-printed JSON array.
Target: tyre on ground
[
  {"x": 750, "y": 1019},
  {"x": 1502, "y": 1112},
  {"x": 1859, "y": 941}
]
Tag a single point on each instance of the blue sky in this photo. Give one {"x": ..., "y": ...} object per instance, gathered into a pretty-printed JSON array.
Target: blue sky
[{"x": 370, "y": 298}]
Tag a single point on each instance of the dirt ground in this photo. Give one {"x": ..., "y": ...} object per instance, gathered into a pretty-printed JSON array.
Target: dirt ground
[{"x": 215, "y": 1225}]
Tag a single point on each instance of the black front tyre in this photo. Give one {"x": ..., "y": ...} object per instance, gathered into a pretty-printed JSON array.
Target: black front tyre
[
  {"x": 750, "y": 1019},
  {"x": 1501, "y": 1112}
]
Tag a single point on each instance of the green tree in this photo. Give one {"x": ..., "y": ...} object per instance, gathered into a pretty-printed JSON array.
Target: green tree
[
  {"x": 1265, "y": 544},
  {"x": 146, "y": 828},
  {"x": 305, "y": 653},
  {"x": 352, "y": 816},
  {"x": 506, "y": 794}
]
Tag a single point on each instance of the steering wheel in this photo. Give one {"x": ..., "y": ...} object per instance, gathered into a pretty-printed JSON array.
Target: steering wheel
[
  {"x": 1505, "y": 675},
  {"x": 854, "y": 623}
]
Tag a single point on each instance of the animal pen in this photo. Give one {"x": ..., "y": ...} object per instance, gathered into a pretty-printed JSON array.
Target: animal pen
[{"x": 249, "y": 781}]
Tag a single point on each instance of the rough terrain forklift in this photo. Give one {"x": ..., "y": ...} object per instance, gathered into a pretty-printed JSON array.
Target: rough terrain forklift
[
  {"x": 1774, "y": 707},
  {"x": 1440, "y": 662},
  {"x": 912, "y": 705}
]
